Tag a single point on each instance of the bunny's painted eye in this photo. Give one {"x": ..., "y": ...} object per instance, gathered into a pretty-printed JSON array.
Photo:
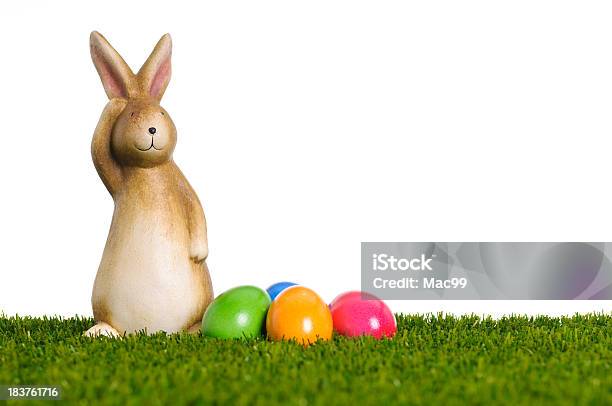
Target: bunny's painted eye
[
  {"x": 132, "y": 115},
  {"x": 162, "y": 113}
]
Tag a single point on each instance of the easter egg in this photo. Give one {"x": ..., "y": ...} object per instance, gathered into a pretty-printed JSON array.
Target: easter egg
[
  {"x": 238, "y": 312},
  {"x": 300, "y": 314},
  {"x": 277, "y": 288},
  {"x": 357, "y": 313}
]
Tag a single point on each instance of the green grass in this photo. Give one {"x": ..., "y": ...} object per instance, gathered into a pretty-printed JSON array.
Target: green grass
[{"x": 433, "y": 360}]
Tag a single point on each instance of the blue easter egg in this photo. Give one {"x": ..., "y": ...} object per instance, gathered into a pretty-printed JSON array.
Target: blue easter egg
[{"x": 277, "y": 288}]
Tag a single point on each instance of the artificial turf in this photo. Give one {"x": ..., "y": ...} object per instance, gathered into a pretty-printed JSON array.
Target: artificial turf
[{"x": 433, "y": 360}]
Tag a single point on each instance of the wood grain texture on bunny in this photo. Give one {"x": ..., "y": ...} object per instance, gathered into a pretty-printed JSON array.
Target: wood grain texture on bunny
[{"x": 153, "y": 274}]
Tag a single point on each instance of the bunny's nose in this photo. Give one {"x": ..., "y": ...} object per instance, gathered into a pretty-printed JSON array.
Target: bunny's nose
[{"x": 152, "y": 130}]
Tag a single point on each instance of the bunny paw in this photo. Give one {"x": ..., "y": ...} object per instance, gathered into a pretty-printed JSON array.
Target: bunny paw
[
  {"x": 198, "y": 251},
  {"x": 196, "y": 328},
  {"x": 102, "y": 329}
]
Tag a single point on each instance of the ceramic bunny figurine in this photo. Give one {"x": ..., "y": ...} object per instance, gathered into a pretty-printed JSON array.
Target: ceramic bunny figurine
[{"x": 153, "y": 275}]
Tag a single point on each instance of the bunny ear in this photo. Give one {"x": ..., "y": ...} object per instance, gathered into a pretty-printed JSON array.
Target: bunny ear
[
  {"x": 154, "y": 75},
  {"x": 117, "y": 77}
]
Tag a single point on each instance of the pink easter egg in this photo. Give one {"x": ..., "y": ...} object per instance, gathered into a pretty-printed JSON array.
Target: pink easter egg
[{"x": 359, "y": 313}]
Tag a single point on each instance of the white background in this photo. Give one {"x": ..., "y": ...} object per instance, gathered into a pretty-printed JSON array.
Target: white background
[{"x": 309, "y": 127}]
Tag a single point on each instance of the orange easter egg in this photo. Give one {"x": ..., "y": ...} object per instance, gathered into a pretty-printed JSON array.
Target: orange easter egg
[{"x": 299, "y": 313}]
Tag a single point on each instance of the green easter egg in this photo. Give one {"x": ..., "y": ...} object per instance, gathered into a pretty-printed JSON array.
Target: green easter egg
[{"x": 238, "y": 312}]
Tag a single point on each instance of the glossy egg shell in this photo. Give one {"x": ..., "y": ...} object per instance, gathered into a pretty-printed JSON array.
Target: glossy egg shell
[
  {"x": 299, "y": 313},
  {"x": 238, "y": 312},
  {"x": 277, "y": 288},
  {"x": 356, "y": 315}
]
